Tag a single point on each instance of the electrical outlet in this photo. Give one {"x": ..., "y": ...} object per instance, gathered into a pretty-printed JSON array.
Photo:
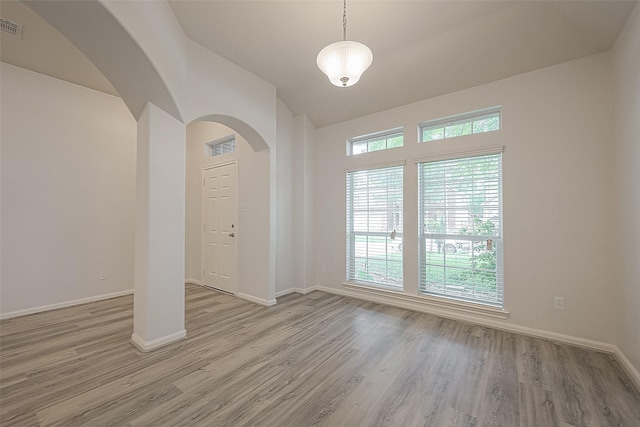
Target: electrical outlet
[
  {"x": 323, "y": 268},
  {"x": 102, "y": 275},
  {"x": 558, "y": 303}
]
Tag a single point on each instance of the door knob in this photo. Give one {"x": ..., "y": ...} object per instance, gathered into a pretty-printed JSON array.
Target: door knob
[{"x": 232, "y": 234}]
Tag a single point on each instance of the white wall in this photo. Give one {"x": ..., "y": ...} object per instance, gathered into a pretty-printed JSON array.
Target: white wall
[
  {"x": 306, "y": 158},
  {"x": 626, "y": 105},
  {"x": 158, "y": 299},
  {"x": 217, "y": 86},
  {"x": 253, "y": 199},
  {"x": 284, "y": 199},
  {"x": 303, "y": 214},
  {"x": 557, "y": 168},
  {"x": 68, "y": 191},
  {"x": 294, "y": 171},
  {"x": 166, "y": 49},
  {"x": 220, "y": 91},
  {"x": 200, "y": 85}
]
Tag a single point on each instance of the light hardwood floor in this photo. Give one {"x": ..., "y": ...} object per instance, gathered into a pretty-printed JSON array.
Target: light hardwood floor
[{"x": 317, "y": 359}]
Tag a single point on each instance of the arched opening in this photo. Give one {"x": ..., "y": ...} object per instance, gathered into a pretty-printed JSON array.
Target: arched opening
[
  {"x": 104, "y": 177},
  {"x": 94, "y": 29},
  {"x": 71, "y": 240},
  {"x": 209, "y": 221},
  {"x": 248, "y": 133},
  {"x": 155, "y": 91}
]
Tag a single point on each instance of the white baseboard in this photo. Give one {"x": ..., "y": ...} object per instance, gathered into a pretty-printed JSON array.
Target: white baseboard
[
  {"x": 624, "y": 362},
  {"x": 259, "y": 301},
  {"x": 246, "y": 297},
  {"x": 146, "y": 346},
  {"x": 628, "y": 367},
  {"x": 65, "y": 304},
  {"x": 444, "y": 305},
  {"x": 301, "y": 291},
  {"x": 193, "y": 282},
  {"x": 509, "y": 327}
]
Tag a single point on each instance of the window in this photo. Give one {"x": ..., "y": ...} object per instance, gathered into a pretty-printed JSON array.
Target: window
[
  {"x": 463, "y": 124},
  {"x": 374, "y": 142},
  {"x": 460, "y": 204},
  {"x": 374, "y": 226},
  {"x": 221, "y": 146}
]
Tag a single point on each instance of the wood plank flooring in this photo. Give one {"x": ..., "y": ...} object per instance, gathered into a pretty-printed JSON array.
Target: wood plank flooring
[{"x": 317, "y": 359}]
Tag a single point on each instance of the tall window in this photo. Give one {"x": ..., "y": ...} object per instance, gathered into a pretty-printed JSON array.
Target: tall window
[
  {"x": 374, "y": 226},
  {"x": 460, "y": 204}
]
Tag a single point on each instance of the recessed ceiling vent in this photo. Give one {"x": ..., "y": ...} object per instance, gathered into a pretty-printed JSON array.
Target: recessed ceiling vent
[{"x": 10, "y": 27}]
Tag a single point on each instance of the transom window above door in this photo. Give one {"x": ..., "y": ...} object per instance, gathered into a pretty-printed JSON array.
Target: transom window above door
[{"x": 220, "y": 146}]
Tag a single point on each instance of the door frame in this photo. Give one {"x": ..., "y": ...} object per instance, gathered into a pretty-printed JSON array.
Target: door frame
[{"x": 203, "y": 244}]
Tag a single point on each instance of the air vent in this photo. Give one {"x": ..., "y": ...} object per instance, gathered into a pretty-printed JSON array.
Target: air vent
[{"x": 10, "y": 27}]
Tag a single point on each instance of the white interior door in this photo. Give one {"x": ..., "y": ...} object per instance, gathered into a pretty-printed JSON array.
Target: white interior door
[{"x": 219, "y": 227}]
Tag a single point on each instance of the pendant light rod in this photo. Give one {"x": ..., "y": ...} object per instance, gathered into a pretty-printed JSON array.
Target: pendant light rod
[{"x": 344, "y": 21}]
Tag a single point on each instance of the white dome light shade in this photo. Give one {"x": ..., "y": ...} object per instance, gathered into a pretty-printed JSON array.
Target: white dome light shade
[{"x": 344, "y": 62}]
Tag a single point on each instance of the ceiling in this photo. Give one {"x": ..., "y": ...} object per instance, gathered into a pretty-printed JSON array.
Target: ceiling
[
  {"x": 43, "y": 49},
  {"x": 421, "y": 49}
]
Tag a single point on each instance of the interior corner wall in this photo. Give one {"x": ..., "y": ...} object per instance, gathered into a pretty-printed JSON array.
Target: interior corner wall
[
  {"x": 308, "y": 201},
  {"x": 557, "y": 180},
  {"x": 68, "y": 192},
  {"x": 285, "y": 246},
  {"x": 298, "y": 189},
  {"x": 303, "y": 215},
  {"x": 626, "y": 107},
  {"x": 197, "y": 134},
  {"x": 253, "y": 201}
]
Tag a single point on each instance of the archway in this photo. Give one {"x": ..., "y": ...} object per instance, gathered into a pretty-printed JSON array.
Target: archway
[
  {"x": 102, "y": 38},
  {"x": 249, "y": 134},
  {"x": 151, "y": 76},
  {"x": 251, "y": 159}
]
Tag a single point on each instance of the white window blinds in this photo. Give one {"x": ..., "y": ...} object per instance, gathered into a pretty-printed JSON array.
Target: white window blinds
[
  {"x": 460, "y": 204},
  {"x": 374, "y": 226}
]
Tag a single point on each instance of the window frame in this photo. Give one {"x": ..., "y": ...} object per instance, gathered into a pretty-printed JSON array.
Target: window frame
[
  {"x": 375, "y": 137},
  {"x": 424, "y": 235},
  {"x": 460, "y": 119},
  {"x": 220, "y": 143}
]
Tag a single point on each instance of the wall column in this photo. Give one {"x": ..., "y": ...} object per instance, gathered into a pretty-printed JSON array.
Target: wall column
[{"x": 158, "y": 302}]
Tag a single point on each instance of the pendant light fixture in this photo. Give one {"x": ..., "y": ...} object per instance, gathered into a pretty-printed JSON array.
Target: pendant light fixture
[{"x": 344, "y": 62}]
